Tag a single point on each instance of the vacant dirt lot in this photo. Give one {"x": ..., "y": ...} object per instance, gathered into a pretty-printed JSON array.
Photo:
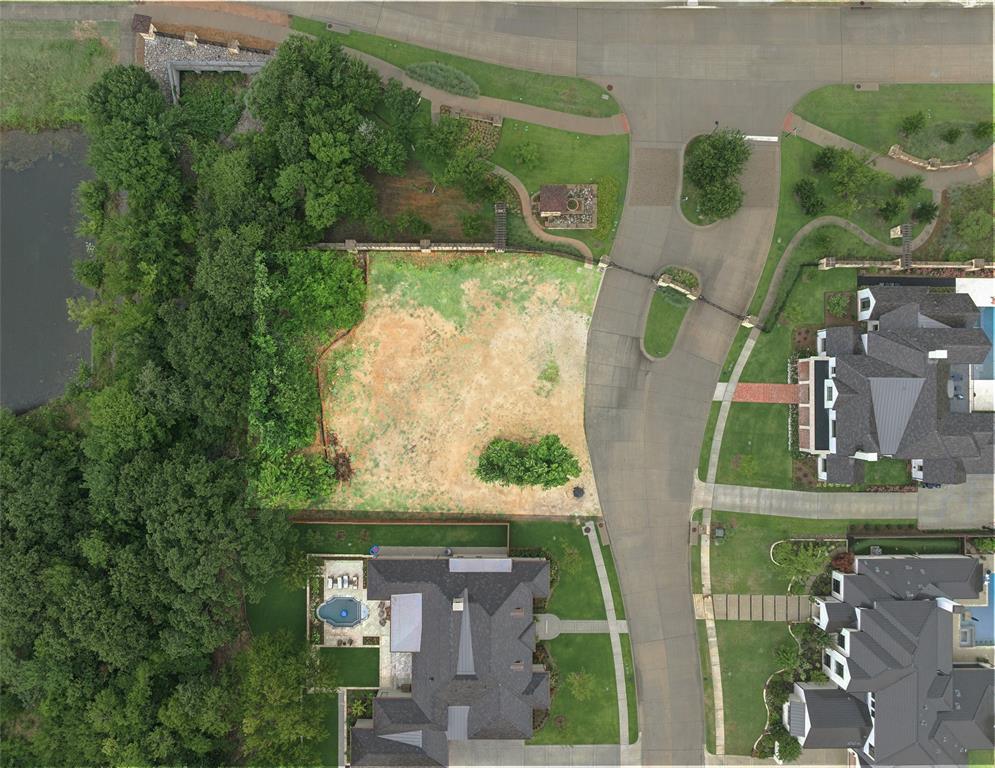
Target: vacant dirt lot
[{"x": 450, "y": 356}]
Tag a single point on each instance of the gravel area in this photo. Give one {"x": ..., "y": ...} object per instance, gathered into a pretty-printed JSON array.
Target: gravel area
[{"x": 163, "y": 50}]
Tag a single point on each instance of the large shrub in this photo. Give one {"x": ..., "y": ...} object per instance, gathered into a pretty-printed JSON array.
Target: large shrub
[
  {"x": 717, "y": 157},
  {"x": 547, "y": 463},
  {"x": 808, "y": 197}
]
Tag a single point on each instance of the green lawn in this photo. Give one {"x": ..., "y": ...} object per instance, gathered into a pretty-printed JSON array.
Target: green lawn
[
  {"x": 887, "y": 472},
  {"x": 280, "y": 608},
  {"x": 706, "y": 443},
  {"x": 981, "y": 758},
  {"x": 630, "y": 687},
  {"x": 746, "y": 655},
  {"x": 592, "y": 719},
  {"x": 734, "y": 351},
  {"x": 755, "y": 446},
  {"x": 328, "y": 748},
  {"x": 911, "y": 546},
  {"x": 354, "y": 667},
  {"x": 873, "y": 118},
  {"x": 806, "y": 289},
  {"x": 565, "y": 94},
  {"x": 667, "y": 310},
  {"x": 609, "y": 558},
  {"x": 46, "y": 67},
  {"x": 797, "y": 155},
  {"x": 706, "y": 679},
  {"x": 569, "y": 158},
  {"x": 356, "y": 539},
  {"x": 577, "y": 595},
  {"x": 741, "y": 563}
]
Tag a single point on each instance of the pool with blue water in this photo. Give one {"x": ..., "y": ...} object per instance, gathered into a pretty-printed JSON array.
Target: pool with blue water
[
  {"x": 982, "y": 619},
  {"x": 341, "y": 611},
  {"x": 987, "y": 369}
]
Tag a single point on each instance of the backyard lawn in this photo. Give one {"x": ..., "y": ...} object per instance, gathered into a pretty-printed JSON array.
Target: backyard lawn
[
  {"x": 706, "y": 679},
  {"x": 755, "y": 446},
  {"x": 746, "y": 655},
  {"x": 577, "y": 595},
  {"x": 353, "y": 667},
  {"x": 565, "y": 94},
  {"x": 46, "y": 68},
  {"x": 586, "y": 713},
  {"x": 356, "y": 539},
  {"x": 706, "y": 443},
  {"x": 663, "y": 322},
  {"x": 281, "y": 607},
  {"x": 741, "y": 564},
  {"x": 797, "y": 156},
  {"x": 873, "y": 118},
  {"x": 630, "y": 687},
  {"x": 571, "y": 158}
]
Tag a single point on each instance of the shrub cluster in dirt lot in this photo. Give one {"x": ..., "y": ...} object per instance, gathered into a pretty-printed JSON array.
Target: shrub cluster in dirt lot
[{"x": 548, "y": 463}]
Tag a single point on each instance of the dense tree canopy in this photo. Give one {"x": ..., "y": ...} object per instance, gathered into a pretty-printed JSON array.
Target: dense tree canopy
[{"x": 129, "y": 537}]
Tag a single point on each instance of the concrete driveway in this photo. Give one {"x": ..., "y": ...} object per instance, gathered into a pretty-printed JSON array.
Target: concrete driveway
[{"x": 677, "y": 72}]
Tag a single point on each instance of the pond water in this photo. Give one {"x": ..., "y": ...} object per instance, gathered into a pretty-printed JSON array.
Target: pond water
[{"x": 40, "y": 349}]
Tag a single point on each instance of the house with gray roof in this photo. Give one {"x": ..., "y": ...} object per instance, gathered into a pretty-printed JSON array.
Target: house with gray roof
[
  {"x": 899, "y": 386},
  {"x": 466, "y": 627},
  {"x": 895, "y": 697}
]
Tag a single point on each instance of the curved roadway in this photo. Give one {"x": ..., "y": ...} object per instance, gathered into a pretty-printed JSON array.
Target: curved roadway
[{"x": 676, "y": 72}]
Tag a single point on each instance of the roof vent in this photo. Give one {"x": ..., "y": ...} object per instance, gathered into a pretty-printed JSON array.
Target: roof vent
[
  {"x": 517, "y": 666},
  {"x": 517, "y": 612},
  {"x": 458, "y": 604}
]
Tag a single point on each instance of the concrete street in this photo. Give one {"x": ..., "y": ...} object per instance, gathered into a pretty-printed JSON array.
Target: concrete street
[{"x": 675, "y": 73}]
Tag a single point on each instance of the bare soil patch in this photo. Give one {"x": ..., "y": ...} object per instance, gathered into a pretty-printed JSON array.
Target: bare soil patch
[{"x": 415, "y": 395}]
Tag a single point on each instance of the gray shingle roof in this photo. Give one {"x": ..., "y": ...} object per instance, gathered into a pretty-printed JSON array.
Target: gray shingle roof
[
  {"x": 473, "y": 674},
  {"x": 837, "y": 719}
]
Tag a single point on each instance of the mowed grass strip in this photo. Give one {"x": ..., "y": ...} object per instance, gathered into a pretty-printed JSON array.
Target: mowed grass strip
[
  {"x": 592, "y": 719},
  {"x": 46, "y": 68},
  {"x": 746, "y": 656},
  {"x": 577, "y": 595},
  {"x": 628, "y": 665},
  {"x": 873, "y": 119},
  {"x": 706, "y": 444},
  {"x": 663, "y": 322},
  {"x": 574, "y": 95},
  {"x": 357, "y": 538},
  {"x": 709, "y": 689}
]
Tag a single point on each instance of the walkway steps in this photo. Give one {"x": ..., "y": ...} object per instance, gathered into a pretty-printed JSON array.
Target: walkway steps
[
  {"x": 500, "y": 226},
  {"x": 752, "y": 607}
]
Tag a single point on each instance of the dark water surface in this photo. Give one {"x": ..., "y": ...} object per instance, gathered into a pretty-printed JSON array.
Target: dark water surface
[{"x": 40, "y": 349}]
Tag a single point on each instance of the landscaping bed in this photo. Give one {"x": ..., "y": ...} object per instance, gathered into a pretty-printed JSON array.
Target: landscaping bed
[
  {"x": 964, "y": 229},
  {"x": 584, "y": 708},
  {"x": 451, "y": 354},
  {"x": 357, "y": 538},
  {"x": 663, "y": 322},
  {"x": 873, "y": 119},
  {"x": 565, "y": 94}
]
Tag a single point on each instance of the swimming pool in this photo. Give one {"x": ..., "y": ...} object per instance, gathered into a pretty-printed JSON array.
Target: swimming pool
[
  {"x": 987, "y": 369},
  {"x": 342, "y": 611},
  {"x": 981, "y": 625}
]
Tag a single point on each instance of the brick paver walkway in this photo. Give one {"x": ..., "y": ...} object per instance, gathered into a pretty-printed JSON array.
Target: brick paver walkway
[
  {"x": 752, "y": 607},
  {"x": 767, "y": 393}
]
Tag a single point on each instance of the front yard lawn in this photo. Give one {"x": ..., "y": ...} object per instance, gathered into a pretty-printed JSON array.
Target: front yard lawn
[
  {"x": 741, "y": 563},
  {"x": 577, "y": 594},
  {"x": 46, "y": 68},
  {"x": 755, "y": 446},
  {"x": 805, "y": 290},
  {"x": 746, "y": 656},
  {"x": 565, "y": 94},
  {"x": 663, "y": 322},
  {"x": 585, "y": 712},
  {"x": 910, "y": 546},
  {"x": 735, "y": 349},
  {"x": 887, "y": 472},
  {"x": 570, "y": 158},
  {"x": 873, "y": 118}
]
